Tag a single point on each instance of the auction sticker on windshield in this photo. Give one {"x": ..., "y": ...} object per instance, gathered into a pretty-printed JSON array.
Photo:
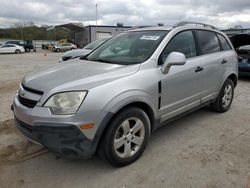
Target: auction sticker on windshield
[{"x": 149, "y": 37}]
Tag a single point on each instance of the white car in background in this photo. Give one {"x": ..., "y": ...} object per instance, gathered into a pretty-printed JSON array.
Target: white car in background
[
  {"x": 64, "y": 47},
  {"x": 11, "y": 48}
]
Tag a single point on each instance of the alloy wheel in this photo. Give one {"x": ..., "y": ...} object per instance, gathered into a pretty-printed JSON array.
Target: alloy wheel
[
  {"x": 129, "y": 137},
  {"x": 228, "y": 94}
]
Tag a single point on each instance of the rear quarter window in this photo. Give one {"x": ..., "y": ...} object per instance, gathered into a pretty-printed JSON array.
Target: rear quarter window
[
  {"x": 208, "y": 42},
  {"x": 224, "y": 43}
]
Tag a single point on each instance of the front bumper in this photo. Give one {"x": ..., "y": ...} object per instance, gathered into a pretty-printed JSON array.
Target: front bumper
[
  {"x": 63, "y": 139},
  {"x": 60, "y": 134}
]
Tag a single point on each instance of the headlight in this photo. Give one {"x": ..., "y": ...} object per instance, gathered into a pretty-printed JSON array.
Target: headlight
[{"x": 65, "y": 103}]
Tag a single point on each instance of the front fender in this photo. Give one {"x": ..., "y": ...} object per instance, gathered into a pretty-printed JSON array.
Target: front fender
[
  {"x": 118, "y": 103},
  {"x": 129, "y": 97}
]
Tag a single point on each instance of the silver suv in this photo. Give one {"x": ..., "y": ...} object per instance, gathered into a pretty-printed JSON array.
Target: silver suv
[{"x": 111, "y": 100}]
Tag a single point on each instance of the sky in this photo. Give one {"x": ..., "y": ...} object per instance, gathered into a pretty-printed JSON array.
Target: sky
[{"x": 220, "y": 13}]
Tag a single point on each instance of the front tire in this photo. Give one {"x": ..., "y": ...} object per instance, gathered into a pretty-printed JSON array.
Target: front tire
[
  {"x": 126, "y": 137},
  {"x": 17, "y": 51},
  {"x": 225, "y": 97}
]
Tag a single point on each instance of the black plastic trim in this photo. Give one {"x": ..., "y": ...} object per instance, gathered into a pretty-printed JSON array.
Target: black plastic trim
[
  {"x": 159, "y": 102},
  {"x": 32, "y": 90},
  {"x": 27, "y": 102},
  {"x": 159, "y": 87},
  {"x": 64, "y": 139},
  {"x": 160, "y": 124}
]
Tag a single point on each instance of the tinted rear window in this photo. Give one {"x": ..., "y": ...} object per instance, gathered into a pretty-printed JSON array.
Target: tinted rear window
[
  {"x": 224, "y": 44},
  {"x": 208, "y": 42}
]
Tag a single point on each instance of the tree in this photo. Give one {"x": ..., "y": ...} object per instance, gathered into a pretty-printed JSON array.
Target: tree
[{"x": 29, "y": 31}]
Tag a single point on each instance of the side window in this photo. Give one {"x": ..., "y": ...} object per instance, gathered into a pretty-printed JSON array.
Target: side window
[
  {"x": 208, "y": 42},
  {"x": 182, "y": 42},
  {"x": 224, "y": 43}
]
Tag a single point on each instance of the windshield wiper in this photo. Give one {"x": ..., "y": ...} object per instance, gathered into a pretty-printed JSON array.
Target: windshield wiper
[{"x": 102, "y": 60}]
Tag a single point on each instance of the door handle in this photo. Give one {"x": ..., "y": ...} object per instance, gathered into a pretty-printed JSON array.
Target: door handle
[
  {"x": 224, "y": 61},
  {"x": 198, "y": 69}
]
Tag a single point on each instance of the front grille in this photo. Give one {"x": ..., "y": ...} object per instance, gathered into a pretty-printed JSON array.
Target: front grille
[{"x": 27, "y": 102}]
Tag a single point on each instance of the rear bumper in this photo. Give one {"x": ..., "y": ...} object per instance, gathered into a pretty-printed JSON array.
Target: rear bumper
[
  {"x": 244, "y": 69},
  {"x": 63, "y": 139},
  {"x": 244, "y": 73}
]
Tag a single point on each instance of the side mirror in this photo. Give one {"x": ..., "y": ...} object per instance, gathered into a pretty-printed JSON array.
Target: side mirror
[{"x": 174, "y": 58}]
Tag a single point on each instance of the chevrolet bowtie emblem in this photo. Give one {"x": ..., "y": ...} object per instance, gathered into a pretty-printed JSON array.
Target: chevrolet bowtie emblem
[{"x": 21, "y": 93}]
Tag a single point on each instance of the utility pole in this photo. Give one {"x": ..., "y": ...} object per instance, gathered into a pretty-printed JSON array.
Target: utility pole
[
  {"x": 21, "y": 32},
  {"x": 96, "y": 13}
]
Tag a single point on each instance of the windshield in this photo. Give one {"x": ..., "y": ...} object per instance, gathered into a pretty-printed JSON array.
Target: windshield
[
  {"x": 95, "y": 44},
  {"x": 128, "y": 48}
]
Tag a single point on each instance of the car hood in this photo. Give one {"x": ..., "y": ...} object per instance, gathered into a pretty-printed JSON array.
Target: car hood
[
  {"x": 77, "y": 75},
  {"x": 76, "y": 53}
]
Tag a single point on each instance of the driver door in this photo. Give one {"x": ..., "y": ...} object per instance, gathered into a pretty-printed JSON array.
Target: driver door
[{"x": 181, "y": 89}]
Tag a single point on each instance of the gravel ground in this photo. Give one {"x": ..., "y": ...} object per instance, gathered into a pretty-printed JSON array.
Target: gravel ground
[{"x": 204, "y": 149}]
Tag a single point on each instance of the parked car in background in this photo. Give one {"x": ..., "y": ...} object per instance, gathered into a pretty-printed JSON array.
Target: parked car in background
[
  {"x": 27, "y": 44},
  {"x": 111, "y": 100},
  {"x": 84, "y": 51},
  {"x": 11, "y": 48},
  {"x": 63, "y": 47},
  {"x": 244, "y": 60}
]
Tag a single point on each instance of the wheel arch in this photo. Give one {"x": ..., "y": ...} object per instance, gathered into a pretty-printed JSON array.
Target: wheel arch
[
  {"x": 234, "y": 78},
  {"x": 230, "y": 74},
  {"x": 146, "y": 107}
]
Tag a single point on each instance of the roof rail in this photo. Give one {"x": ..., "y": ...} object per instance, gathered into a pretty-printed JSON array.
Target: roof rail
[
  {"x": 194, "y": 23},
  {"x": 141, "y": 26}
]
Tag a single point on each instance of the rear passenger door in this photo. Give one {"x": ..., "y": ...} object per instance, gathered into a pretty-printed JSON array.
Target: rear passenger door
[
  {"x": 227, "y": 53},
  {"x": 210, "y": 58}
]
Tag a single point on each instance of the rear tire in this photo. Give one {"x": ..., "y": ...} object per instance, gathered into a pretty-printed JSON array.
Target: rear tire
[
  {"x": 225, "y": 97},
  {"x": 126, "y": 137},
  {"x": 27, "y": 50},
  {"x": 57, "y": 50},
  {"x": 17, "y": 51}
]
